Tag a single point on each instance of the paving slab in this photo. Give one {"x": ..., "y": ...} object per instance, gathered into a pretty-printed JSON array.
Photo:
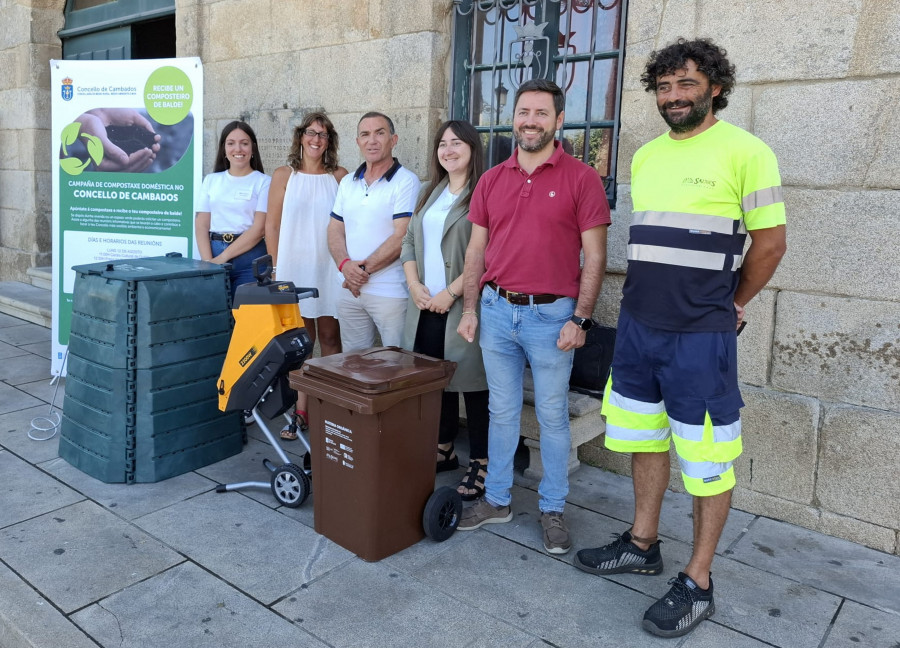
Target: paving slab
[
  {"x": 859, "y": 625},
  {"x": 24, "y": 368},
  {"x": 187, "y": 607},
  {"x": 829, "y": 564},
  {"x": 28, "y": 620},
  {"x": 12, "y": 399},
  {"x": 612, "y": 495},
  {"x": 248, "y": 466},
  {"x": 45, "y": 389},
  {"x": 247, "y": 543},
  {"x": 7, "y": 321},
  {"x": 529, "y": 590},
  {"x": 24, "y": 333},
  {"x": 364, "y": 604},
  {"x": 130, "y": 501},
  {"x": 713, "y": 635},
  {"x": 81, "y": 553},
  {"x": 26, "y": 492},
  {"x": 14, "y": 428},
  {"x": 43, "y": 348},
  {"x": 10, "y": 350}
]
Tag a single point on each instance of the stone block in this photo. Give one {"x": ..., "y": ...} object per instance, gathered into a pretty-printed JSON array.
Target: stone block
[
  {"x": 643, "y": 25},
  {"x": 780, "y": 439},
  {"x": 13, "y": 160},
  {"x": 35, "y": 68},
  {"x": 641, "y": 122},
  {"x": 774, "y": 507},
  {"x": 755, "y": 342},
  {"x": 838, "y": 349},
  {"x": 45, "y": 23},
  {"x": 17, "y": 191},
  {"x": 230, "y": 24},
  {"x": 637, "y": 52},
  {"x": 416, "y": 76},
  {"x": 606, "y": 311},
  {"x": 869, "y": 535},
  {"x": 877, "y": 48},
  {"x": 834, "y": 148},
  {"x": 679, "y": 19},
  {"x": 27, "y": 104},
  {"x": 311, "y": 25},
  {"x": 15, "y": 26},
  {"x": 190, "y": 22},
  {"x": 274, "y": 132},
  {"x": 389, "y": 18},
  {"x": 858, "y": 460},
  {"x": 825, "y": 255},
  {"x": 617, "y": 234},
  {"x": 813, "y": 40},
  {"x": 415, "y": 128}
]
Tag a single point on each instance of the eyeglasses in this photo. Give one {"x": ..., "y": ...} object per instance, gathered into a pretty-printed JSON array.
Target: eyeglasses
[{"x": 311, "y": 134}]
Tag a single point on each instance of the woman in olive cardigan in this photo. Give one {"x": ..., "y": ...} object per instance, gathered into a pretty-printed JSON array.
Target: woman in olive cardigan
[{"x": 433, "y": 255}]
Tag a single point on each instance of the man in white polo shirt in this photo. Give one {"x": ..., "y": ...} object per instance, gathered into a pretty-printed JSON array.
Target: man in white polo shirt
[{"x": 371, "y": 211}]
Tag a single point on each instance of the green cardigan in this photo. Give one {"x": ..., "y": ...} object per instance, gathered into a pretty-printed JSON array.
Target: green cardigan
[{"x": 469, "y": 374}]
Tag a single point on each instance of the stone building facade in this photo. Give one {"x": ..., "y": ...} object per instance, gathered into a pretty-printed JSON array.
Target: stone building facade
[{"x": 817, "y": 80}]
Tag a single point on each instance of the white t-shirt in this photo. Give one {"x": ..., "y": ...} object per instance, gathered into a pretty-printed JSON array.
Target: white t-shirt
[
  {"x": 433, "y": 231},
  {"x": 368, "y": 213},
  {"x": 233, "y": 200}
]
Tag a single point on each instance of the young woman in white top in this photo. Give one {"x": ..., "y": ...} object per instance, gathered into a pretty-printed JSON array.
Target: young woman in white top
[
  {"x": 231, "y": 207},
  {"x": 300, "y": 202}
]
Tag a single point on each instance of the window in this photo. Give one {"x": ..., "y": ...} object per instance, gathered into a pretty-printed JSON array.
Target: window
[{"x": 579, "y": 44}]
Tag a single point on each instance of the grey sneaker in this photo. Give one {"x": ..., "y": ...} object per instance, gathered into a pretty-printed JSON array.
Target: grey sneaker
[
  {"x": 681, "y": 609},
  {"x": 556, "y": 533},
  {"x": 483, "y": 512},
  {"x": 620, "y": 557}
]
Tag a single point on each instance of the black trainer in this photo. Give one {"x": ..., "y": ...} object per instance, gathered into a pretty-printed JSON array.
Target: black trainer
[
  {"x": 679, "y": 611},
  {"x": 620, "y": 557}
]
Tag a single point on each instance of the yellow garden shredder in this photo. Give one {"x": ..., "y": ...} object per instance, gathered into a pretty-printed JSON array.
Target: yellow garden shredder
[{"x": 268, "y": 342}]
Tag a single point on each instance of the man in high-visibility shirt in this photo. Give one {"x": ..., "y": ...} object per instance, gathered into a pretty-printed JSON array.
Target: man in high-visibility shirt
[{"x": 698, "y": 191}]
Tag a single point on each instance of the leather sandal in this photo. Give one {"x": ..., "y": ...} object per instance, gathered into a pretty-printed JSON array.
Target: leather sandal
[
  {"x": 289, "y": 433},
  {"x": 449, "y": 462},
  {"x": 473, "y": 482}
]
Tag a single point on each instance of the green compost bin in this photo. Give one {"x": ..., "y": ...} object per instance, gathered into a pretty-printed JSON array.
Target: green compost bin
[{"x": 147, "y": 343}]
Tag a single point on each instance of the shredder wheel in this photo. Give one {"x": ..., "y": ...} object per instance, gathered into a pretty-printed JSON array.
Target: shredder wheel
[
  {"x": 290, "y": 485},
  {"x": 442, "y": 512}
]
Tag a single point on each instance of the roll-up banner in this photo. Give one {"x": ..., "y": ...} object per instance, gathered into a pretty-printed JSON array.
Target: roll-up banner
[{"x": 126, "y": 147}]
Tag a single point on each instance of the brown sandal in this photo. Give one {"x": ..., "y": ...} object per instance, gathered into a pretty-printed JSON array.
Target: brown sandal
[{"x": 473, "y": 481}]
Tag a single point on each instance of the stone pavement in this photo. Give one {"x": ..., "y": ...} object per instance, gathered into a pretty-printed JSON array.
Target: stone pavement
[{"x": 176, "y": 565}]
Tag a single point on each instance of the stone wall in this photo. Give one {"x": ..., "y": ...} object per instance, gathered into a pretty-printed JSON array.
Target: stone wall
[
  {"x": 820, "y": 357},
  {"x": 270, "y": 63},
  {"x": 27, "y": 43}
]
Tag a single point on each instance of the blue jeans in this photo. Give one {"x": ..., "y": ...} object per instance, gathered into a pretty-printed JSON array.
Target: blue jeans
[
  {"x": 510, "y": 335},
  {"x": 242, "y": 265}
]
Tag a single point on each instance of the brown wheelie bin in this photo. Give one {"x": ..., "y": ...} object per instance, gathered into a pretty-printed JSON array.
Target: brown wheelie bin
[{"x": 373, "y": 422}]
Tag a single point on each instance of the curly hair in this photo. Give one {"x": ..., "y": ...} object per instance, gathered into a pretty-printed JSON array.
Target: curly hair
[
  {"x": 330, "y": 157},
  {"x": 709, "y": 57}
]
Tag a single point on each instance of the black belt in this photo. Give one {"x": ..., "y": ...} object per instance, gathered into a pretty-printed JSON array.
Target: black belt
[
  {"x": 523, "y": 299},
  {"x": 227, "y": 237}
]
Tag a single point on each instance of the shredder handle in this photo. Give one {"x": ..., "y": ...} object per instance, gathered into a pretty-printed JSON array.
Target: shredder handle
[{"x": 304, "y": 293}]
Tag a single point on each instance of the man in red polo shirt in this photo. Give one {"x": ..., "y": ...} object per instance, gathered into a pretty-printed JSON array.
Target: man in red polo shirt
[{"x": 532, "y": 217}]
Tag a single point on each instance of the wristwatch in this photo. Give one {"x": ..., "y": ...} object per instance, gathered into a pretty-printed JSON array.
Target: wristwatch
[{"x": 584, "y": 323}]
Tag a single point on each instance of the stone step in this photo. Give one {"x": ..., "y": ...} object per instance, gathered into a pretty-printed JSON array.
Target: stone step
[
  {"x": 41, "y": 277},
  {"x": 26, "y": 302}
]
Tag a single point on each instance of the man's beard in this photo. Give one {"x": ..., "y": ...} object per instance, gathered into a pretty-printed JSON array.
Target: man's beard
[
  {"x": 545, "y": 138},
  {"x": 694, "y": 117}
]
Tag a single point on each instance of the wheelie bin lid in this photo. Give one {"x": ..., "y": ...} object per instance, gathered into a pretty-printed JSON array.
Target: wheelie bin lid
[{"x": 378, "y": 370}]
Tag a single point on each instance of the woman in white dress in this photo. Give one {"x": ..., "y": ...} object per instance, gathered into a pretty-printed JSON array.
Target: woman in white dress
[{"x": 300, "y": 200}]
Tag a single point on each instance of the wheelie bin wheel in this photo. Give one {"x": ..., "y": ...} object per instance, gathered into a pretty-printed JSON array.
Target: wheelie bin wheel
[
  {"x": 290, "y": 485},
  {"x": 442, "y": 512}
]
